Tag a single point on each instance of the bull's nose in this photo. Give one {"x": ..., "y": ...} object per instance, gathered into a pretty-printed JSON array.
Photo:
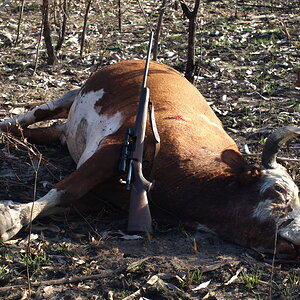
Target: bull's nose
[{"x": 290, "y": 230}]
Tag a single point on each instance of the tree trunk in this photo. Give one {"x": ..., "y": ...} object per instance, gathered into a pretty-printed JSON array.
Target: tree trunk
[
  {"x": 20, "y": 21},
  {"x": 192, "y": 16},
  {"x": 63, "y": 26},
  {"x": 119, "y": 15},
  {"x": 52, "y": 59},
  {"x": 84, "y": 26},
  {"x": 38, "y": 48},
  {"x": 158, "y": 29}
]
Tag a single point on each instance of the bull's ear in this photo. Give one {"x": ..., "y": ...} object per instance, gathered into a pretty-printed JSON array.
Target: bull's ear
[
  {"x": 239, "y": 166},
  {"x": 235, "y": 161}
]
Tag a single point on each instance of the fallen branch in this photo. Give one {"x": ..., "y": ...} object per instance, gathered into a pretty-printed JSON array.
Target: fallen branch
[
  {"x": 288, "y": 7},
  {"x": 279, "y": 158},
  {"x": 59, "y": 281},
  {"x": 10, "y": 139},
  {"x": 295, "y": 262},
  {"x": 134, "y": 295}
]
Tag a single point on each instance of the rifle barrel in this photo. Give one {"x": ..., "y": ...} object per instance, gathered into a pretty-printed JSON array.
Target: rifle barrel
[{"x": 147, "y": 60}]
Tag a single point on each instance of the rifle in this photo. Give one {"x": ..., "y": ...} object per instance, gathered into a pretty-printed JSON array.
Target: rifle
[{"x": 132, "y": 159}]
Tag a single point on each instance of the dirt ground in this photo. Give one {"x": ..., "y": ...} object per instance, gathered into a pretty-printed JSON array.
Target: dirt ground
[{"x": 247, "y": 56}]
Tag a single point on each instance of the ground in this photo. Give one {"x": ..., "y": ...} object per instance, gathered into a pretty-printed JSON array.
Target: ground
[{"x": 247, "y": 59}]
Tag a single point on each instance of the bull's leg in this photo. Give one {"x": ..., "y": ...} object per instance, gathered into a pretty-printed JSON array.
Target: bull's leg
[
  {"x": 98, "y": 168},
  {"x": 42, "y": 136},
  {"x": 55, "y": 109}
]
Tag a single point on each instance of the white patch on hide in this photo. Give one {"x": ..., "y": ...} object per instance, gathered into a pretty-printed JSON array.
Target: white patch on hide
[
  {"x": 263, "y": 210},
  {"x": 210, "y": 122},
  {"x": 98, "y": 126}
]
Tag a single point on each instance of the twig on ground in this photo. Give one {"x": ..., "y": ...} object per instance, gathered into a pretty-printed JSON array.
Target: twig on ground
[
  {"x": 279, "y": 158},
  {"x": 60, "y": 281},
  {"x": 286, "y": 7},
  {"x": 10, "y": 139},
  {"x": 134, "y": 295},
  {"x": 283, "y": 261}
]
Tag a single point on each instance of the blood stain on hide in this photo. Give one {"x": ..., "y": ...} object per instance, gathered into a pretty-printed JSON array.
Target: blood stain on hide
[{"x": 177, "y": 117}]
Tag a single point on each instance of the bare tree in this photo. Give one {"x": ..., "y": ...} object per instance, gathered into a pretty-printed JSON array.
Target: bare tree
[
  {"x": 38, "y": 48},
  {"x": 88, "y": 5},
  {"x": 52, "y": 59},
  {"x": 20, "y": 20},
  {"x": 158, "y": 29},
  {"x": 62, "y": 31},
  {"x": 119, "y": 15},
  {"x": 192, "y": 17}
]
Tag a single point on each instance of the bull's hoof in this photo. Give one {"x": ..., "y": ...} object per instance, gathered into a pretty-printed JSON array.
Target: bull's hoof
[{"x": 13, "y": 216}]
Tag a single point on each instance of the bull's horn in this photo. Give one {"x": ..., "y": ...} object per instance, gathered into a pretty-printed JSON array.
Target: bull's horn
[{"x": 274, "y": 142}]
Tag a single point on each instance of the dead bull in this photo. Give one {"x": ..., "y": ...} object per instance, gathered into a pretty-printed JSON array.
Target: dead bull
[{"x": 201, "y": 177}]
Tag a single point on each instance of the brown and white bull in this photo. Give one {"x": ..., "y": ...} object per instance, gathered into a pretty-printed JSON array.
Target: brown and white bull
[{"x": 200, "y": 176}]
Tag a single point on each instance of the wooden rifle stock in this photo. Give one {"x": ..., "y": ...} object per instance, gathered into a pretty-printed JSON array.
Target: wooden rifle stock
[{"x": 139, "y": 212}]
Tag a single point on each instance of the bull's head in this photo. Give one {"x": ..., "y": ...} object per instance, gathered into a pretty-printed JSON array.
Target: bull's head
[
  {"x": 279, "y": 194},
  {"x": 275, "y": 207}
]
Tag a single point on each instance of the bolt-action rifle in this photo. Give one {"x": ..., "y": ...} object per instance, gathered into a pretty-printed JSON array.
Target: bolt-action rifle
[{"x": 131, "y": 161}]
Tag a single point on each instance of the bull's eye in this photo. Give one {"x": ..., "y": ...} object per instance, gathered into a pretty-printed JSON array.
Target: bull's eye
[{"x": 278, "y": 188}]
